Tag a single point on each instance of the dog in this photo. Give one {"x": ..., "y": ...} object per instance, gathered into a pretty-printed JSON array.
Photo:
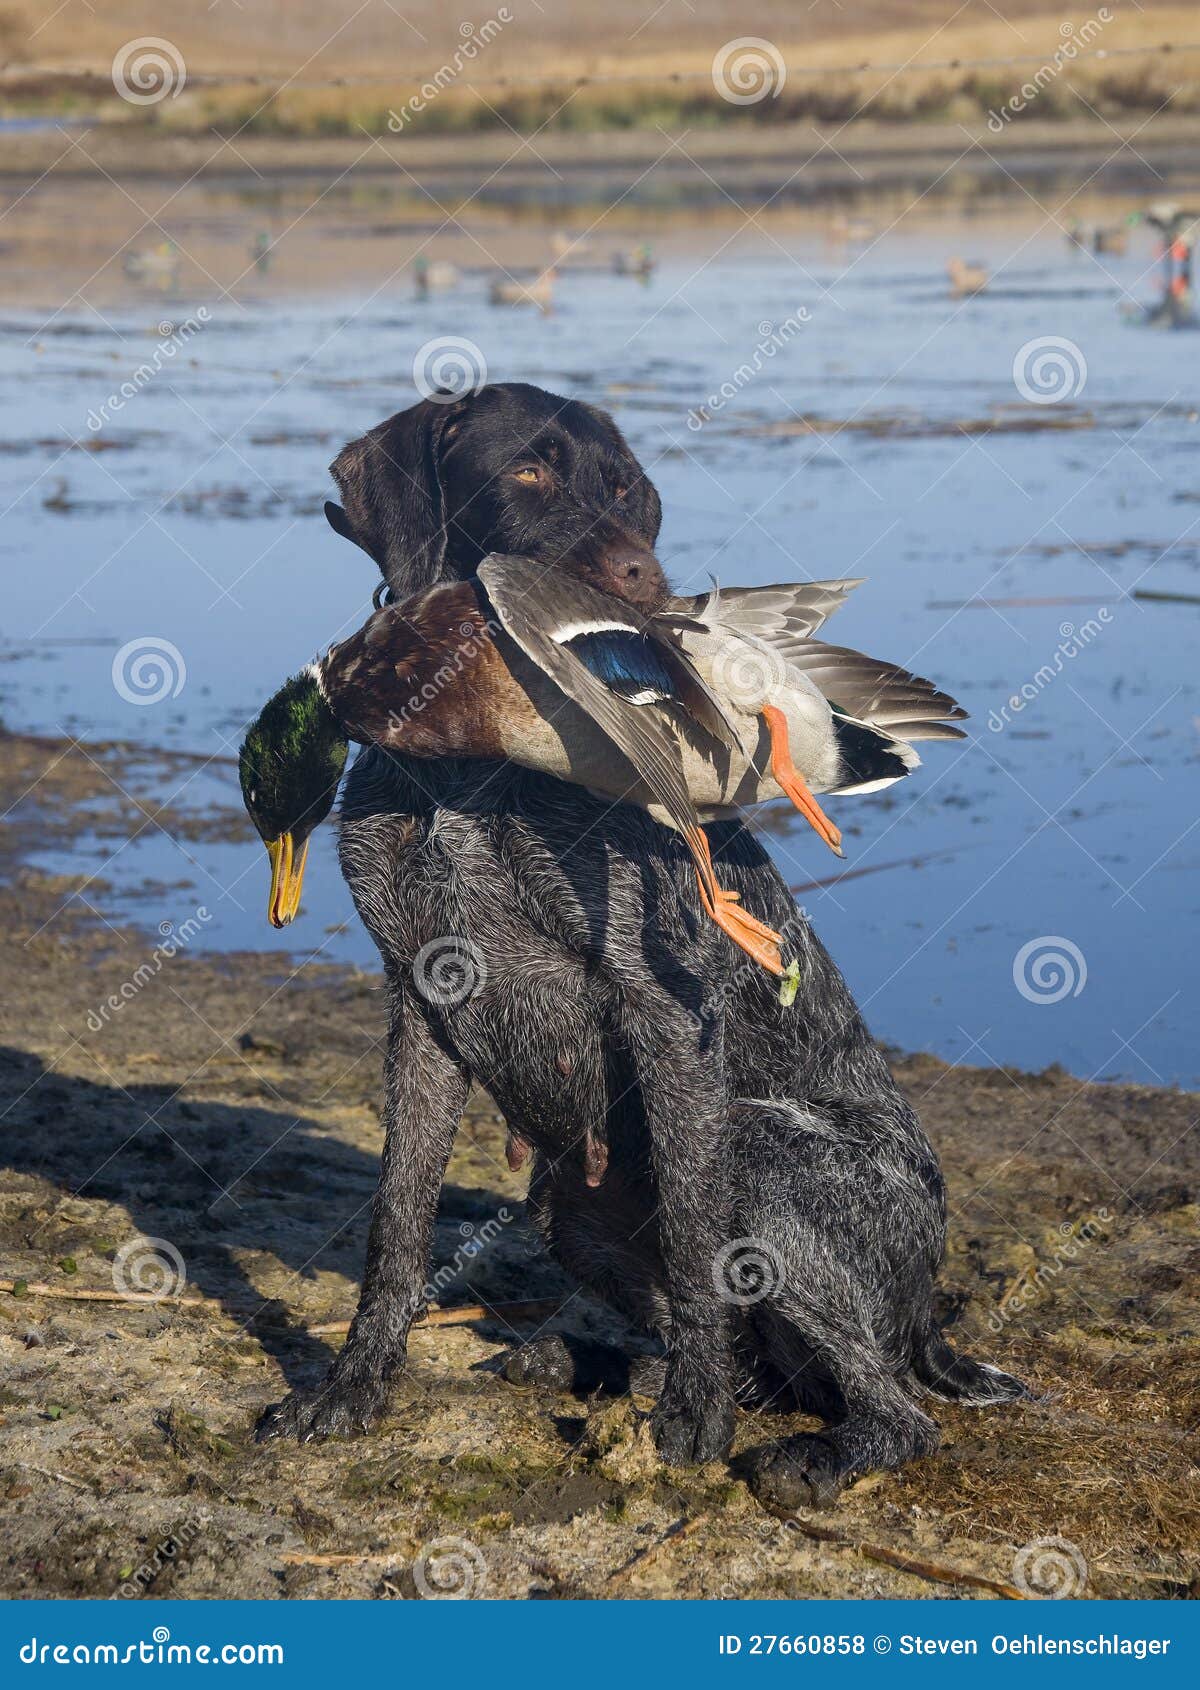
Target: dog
[{"x": 770, "y": 1208}]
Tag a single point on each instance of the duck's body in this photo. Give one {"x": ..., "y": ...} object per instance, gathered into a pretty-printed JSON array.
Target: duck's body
[
  {"x": 716, "y": 703},
  {"x": 713, "y": 703}
]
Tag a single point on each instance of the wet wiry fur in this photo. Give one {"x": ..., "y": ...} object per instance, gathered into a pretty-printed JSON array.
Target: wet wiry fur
[{"x": 607, "y": 1007}]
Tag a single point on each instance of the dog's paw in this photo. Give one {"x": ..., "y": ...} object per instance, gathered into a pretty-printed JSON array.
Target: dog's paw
[
  {"x": 338, "y": 1409},
  {"x": 690, "y": 1433},
  {"x": 805, "y": 1471}
]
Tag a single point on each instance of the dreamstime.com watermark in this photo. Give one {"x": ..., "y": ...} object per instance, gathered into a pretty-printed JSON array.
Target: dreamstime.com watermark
[
  {"x": 1072, "y": 641},
  {"x": 148, "y": 70},
  {"x": 148, "y": 670},
  {"x": 1049, "y": 968},
  {"x": 474, "y": 38},
  {"x": 474, "y": 638},
  {"x": 1075, "y": 39},
  {"x": 157, "y": 1650},
  {"x": 146, "y": 1270},
  {"x": 772, "y": 340},
  {"x": 475, "y": 1239},
  {"x": 1038, "y": 1281},
  {"x": 173, "y": 940},
  {"x": 450, "y": 1569},
  {"x": 135, "y": 1581},
  {"x": 173, "y": 337},
  {"x": 449, "y": 368},
  {"x": 748, "y": 70},
  {"x": 746, "y": 1271},
  {"x": 1049, "y": 369},
  {"x": 1053, "y": 1568}
]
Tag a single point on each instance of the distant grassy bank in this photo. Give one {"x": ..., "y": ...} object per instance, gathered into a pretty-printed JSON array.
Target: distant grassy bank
[{"x": 1100, "y": 90}]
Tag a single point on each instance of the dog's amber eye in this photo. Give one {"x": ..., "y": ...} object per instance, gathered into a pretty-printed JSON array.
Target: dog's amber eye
[
  {"x": 621, "y": 492},
  {"x": 528, "y": 475}
]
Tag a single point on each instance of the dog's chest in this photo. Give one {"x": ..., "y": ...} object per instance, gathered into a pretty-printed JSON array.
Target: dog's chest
[{"x": 493, "y": 939}]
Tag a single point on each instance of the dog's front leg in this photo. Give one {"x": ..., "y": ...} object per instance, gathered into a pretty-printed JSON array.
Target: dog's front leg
[
  {"x": 425, "y": 1095},
  {"x": 682, "y": 1086}
]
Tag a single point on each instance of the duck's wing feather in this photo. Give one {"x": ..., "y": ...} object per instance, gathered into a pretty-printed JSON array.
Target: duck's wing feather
[
  {"x": 781, "y": 615},
  {"x": 633, "y": 657},
  {"x": 881, "y": 694},
  {"x": 528, "y": 614}
]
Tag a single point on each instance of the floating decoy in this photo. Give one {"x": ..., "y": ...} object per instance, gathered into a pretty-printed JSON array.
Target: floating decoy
[
  {"x": 160, "y": 264},
  {"x": 966, "y": 279},
  {"x": 433, "y": 276},
  {"x": 716, "y": 702},
  {"x": 634, "y": 261},
  {"x": 539, "y": 291},
  {"x": 1113, "y": 240},
  {"x": 566, "y": 248},
  {"x": 260, "y": 251},
  {"x": 850, "y": 230}
]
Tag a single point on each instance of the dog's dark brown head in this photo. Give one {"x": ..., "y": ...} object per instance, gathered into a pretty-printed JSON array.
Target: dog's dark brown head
[{"x": 511, "y": 468}]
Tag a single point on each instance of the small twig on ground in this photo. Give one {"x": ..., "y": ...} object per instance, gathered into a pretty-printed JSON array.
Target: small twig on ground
[
  {"x": 937, "y": 1572},
  {"x": 680, "y": 1530},
  {"x": 303, "y": 1558},
  {"x": 463, "y": 1315},
  {"x": 62, "y": 1478}
]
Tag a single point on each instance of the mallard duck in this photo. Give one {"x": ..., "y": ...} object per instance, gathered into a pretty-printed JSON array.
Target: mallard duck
[
  {"x": 965, "y": 279},
  {"x": 716, "y": 702}
]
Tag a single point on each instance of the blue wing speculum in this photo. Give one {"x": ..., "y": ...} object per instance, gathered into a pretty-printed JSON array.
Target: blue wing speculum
[{"x": 627, "y": 663}]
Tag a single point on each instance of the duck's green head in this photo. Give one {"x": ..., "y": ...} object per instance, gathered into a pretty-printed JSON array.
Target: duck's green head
[{"x": 291, "y": 761}]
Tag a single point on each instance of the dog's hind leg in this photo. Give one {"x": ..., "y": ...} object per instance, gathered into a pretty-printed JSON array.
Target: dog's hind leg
[
  {"x": 879, "y": 1426},
  {"x": 842, "y": 1202}
]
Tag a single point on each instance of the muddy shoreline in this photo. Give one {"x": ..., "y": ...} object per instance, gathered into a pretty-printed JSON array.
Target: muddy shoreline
[{"x": 230, "y": 1107}]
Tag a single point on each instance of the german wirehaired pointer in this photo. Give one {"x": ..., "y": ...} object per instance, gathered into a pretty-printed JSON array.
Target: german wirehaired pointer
[{"x": 610, "y": 1014}]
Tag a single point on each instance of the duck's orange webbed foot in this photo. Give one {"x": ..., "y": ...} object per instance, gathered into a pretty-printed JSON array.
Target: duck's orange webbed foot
[
  {"x": 791, "y": 782},
  {"x": 749, "y": 934}
]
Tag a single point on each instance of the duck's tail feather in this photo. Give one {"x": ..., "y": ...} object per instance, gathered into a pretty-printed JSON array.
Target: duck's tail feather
[
  {"x": 870, "y": 759},
  {"x": 878, "y": 694}
]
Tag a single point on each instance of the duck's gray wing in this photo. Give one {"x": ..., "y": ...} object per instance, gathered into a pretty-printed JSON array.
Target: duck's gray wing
[
  {"x": 529, "y": 610},
  {"x": 881, "y": 694},
  {"x": 638, "y": 658},
  {"x": 782, "y": 615}
]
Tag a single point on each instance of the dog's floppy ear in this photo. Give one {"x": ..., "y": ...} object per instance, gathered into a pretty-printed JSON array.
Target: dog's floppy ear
[
  {"x": 337, "y": 519},
  {"x": 391, "y": 486}
]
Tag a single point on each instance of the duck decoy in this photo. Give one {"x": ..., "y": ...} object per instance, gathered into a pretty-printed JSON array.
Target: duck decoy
[
  {"x": 1113, "y": 240},
  {"x": 566, "y": 248},
  {"x": 160, "y": 265},
  {"x": 850, "y": 231},
  {"x": 433, "y": 276},
  {"x": 538, "y": 291},
  {"x": 716, "y": 702},
  {"x": 636, "y": 261},
  {"x": 966, "y": 279}
]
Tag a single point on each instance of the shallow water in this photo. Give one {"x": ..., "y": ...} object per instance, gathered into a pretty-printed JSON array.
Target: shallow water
[{"x": 998, "y": 560}]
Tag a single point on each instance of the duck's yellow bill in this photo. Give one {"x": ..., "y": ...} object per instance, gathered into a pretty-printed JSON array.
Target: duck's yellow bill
[{"x": 287, "y": 877}]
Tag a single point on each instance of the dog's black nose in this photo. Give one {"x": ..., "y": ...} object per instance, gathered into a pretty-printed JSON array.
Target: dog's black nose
[{"x": 636, "y": 576}]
